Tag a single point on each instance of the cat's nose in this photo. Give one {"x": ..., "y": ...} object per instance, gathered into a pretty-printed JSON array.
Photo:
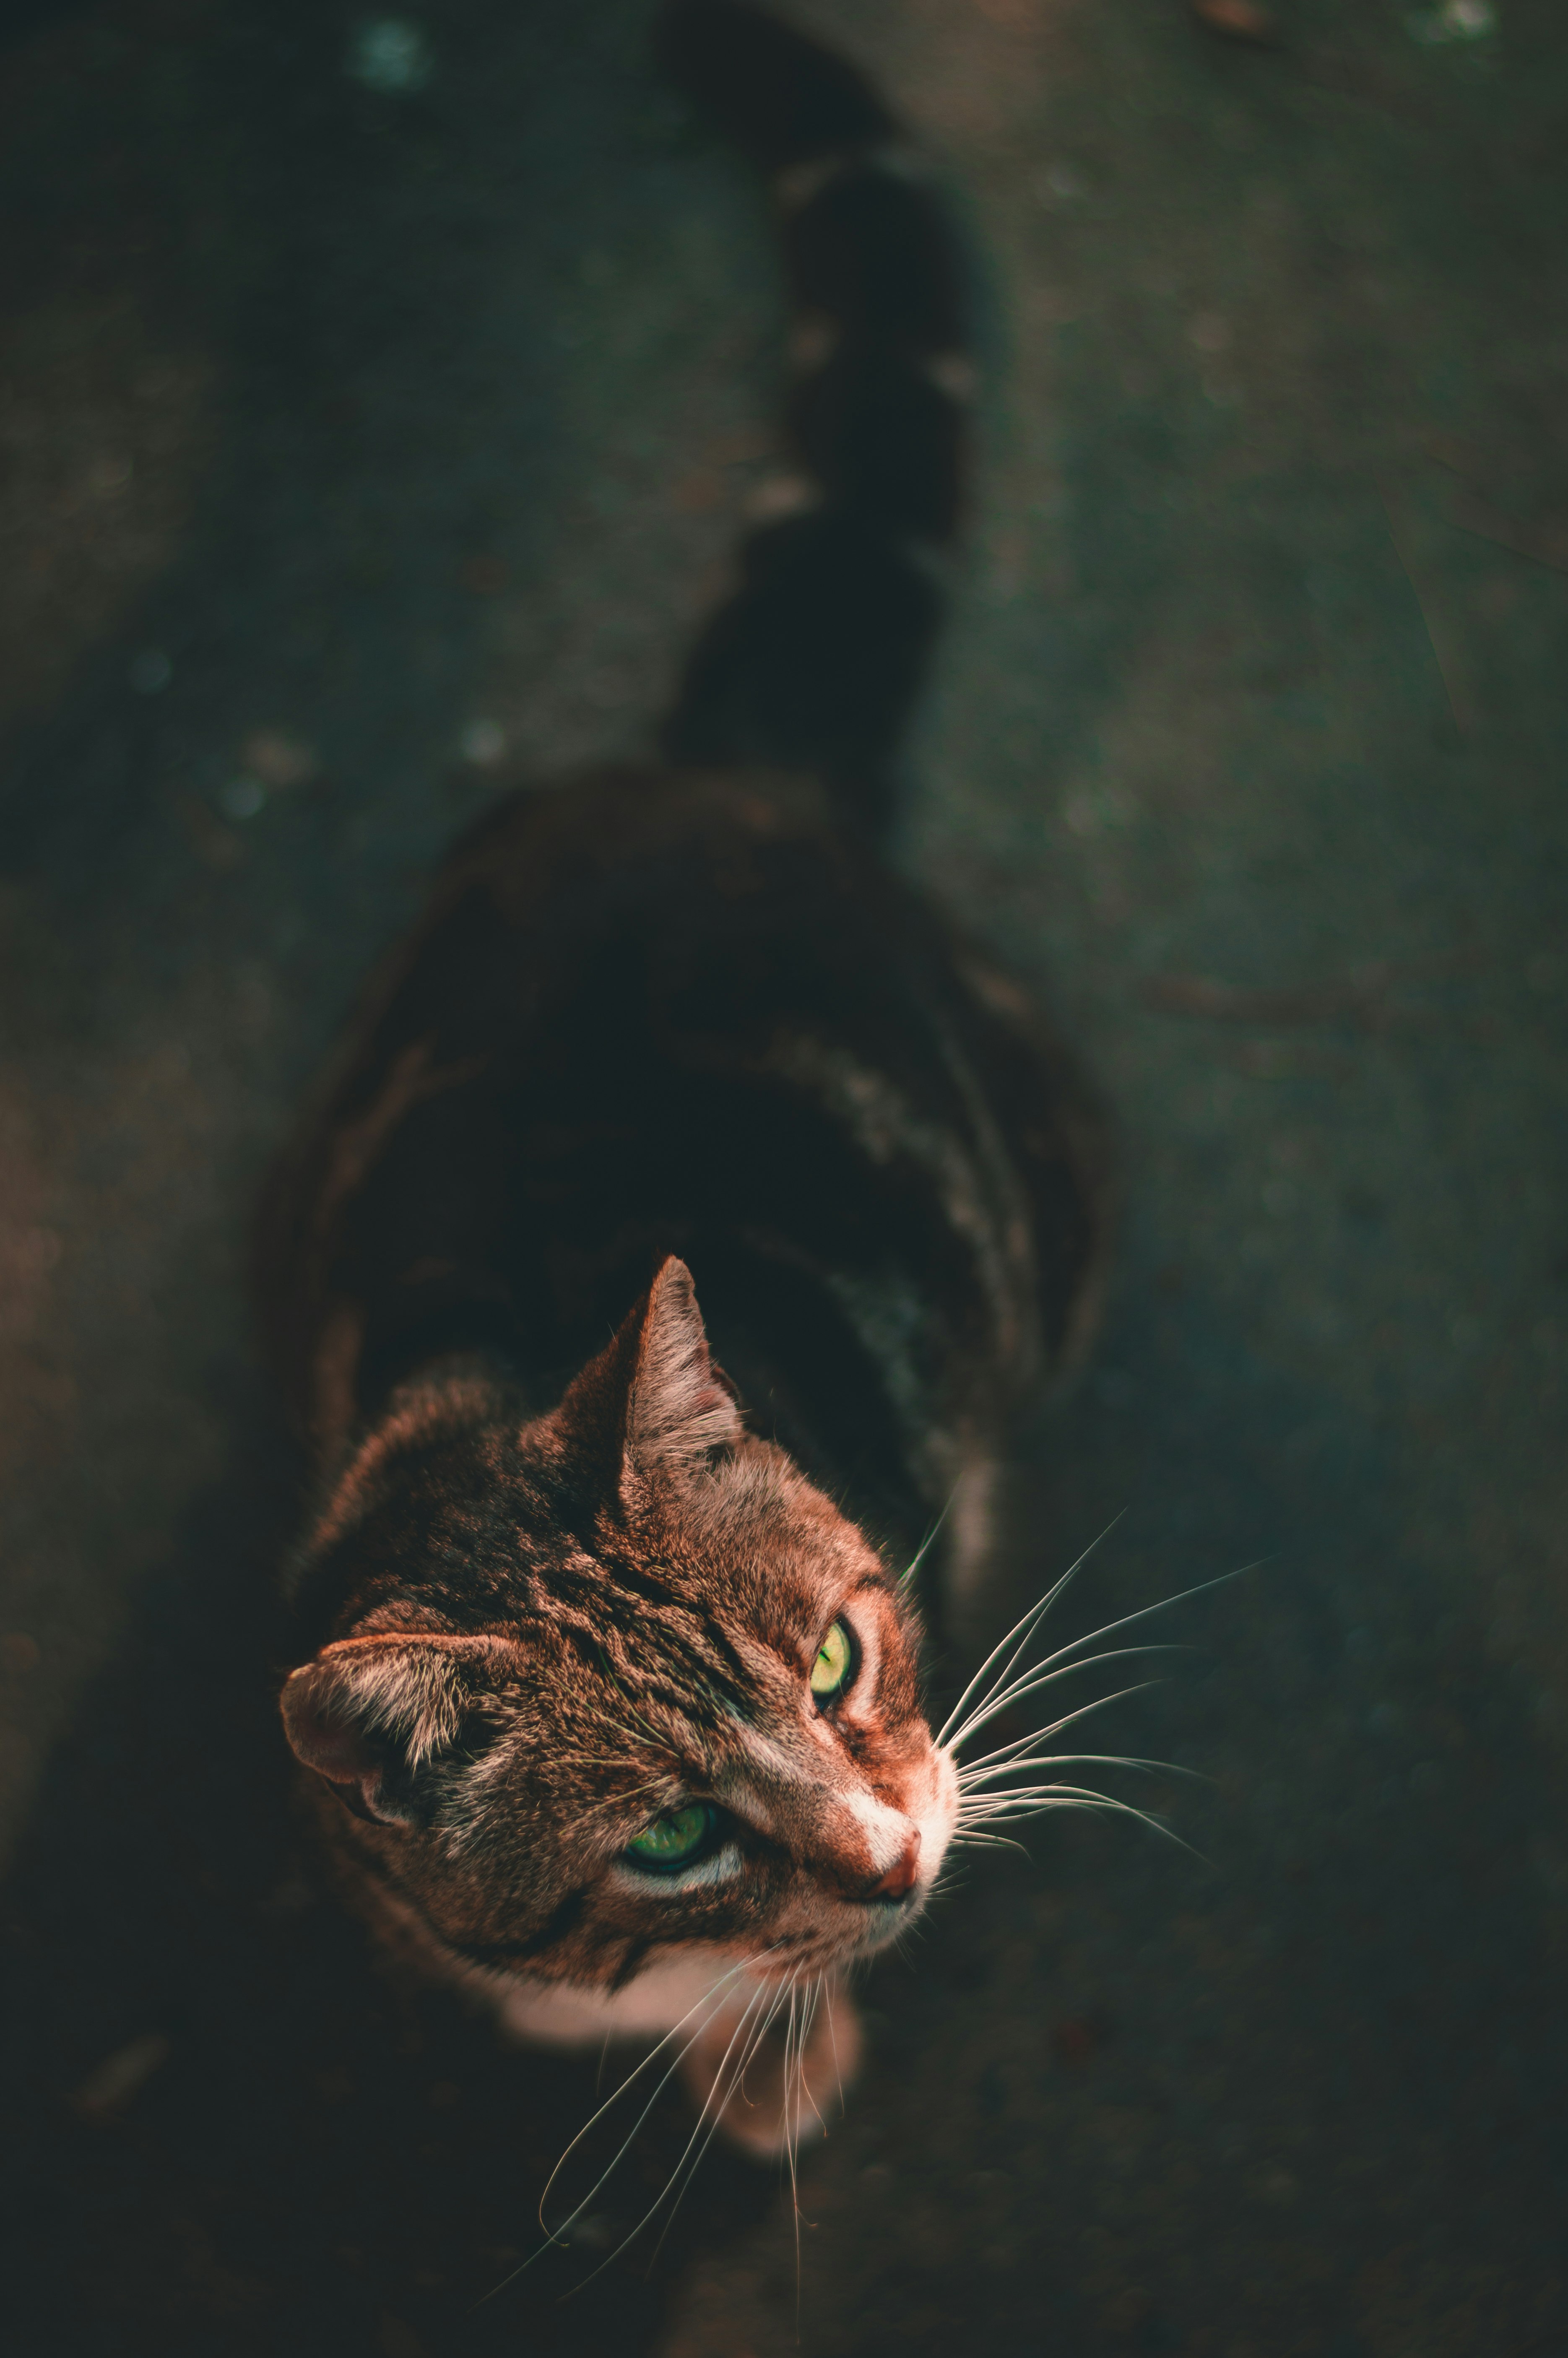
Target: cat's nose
[{"x": 901, "y": 1876}]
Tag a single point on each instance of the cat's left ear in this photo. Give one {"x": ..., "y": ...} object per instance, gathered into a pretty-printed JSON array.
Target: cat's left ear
[
  {"x": 653, "y": 1402},
  {"x": 371, "y": 1714}
]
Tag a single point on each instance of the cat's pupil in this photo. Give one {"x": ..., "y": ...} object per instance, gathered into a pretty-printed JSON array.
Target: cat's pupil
[
  {"x": 673, "y": 1839},
  {"x": 835, "y": 1659}
]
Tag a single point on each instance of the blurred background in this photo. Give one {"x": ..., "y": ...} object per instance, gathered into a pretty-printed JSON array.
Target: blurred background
[{"x": 379, "y": 399}]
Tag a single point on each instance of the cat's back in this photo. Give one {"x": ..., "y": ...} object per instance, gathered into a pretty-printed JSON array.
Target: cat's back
[
  {"x": 659, "y": 1011},
  {"x": 689, "y": 1010}
]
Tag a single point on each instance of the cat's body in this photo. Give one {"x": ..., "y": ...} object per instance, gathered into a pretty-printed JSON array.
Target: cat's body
[{"x": 567, "y": 1603}]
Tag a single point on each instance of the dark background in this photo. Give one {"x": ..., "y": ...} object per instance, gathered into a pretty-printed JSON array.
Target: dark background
[{"x": 365, "y": 447}]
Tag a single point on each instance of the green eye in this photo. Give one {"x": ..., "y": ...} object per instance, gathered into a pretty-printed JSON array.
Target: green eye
[
  {"x": 672, "y": 1839},
  {"x": 830, "y": 1672}
]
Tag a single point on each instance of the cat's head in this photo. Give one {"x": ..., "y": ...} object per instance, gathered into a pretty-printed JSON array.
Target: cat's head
[{"x": 619, "y": 1682}]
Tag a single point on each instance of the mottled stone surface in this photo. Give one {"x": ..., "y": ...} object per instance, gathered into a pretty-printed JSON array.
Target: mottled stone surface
[{"x": 366, "y": 446}]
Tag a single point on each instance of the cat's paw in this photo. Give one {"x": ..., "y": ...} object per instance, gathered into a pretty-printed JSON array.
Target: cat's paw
[{"x": 777, "y": 2095}]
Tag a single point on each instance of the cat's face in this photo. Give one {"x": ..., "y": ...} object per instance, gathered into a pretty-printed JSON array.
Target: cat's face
[{"x": 618, "y": 1684}]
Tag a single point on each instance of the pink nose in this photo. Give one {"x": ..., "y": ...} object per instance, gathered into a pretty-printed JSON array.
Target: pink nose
[{"x": 902, "y": 1876}]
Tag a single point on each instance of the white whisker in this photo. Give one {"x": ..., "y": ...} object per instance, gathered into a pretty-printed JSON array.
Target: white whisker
[
  {"x": 553, "y": 2235},
  {"x": 1085, "y": 1710},
  {"x": 789, "y": 2141},
  {"x": 1010, "y": 1809},
  {"x": 630, "y": 2081},
  {"x": 1032, "y": 1680},
  {"x": 809, "y": 2000},
  {"x": 759, "y": 2032},
  {"x": 974, "y": 1782},
  {"x": 1020, "y": 1744},
  {"x": 906, "y": 1577},
  {"x": 833, "y": 2028},
  {"x": 702, "y": 2123},
  {"x": 1023, "y": 1631},
  {"x": 1125, "y": 1620},
  {"x": 1042, "y": 1671}
]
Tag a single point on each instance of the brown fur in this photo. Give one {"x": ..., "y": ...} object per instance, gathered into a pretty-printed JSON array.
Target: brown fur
[
  {"x": 646, "y": 1632},
  {"x": 554, "y": 1587},
  {"x": 638, "y": 1589}
]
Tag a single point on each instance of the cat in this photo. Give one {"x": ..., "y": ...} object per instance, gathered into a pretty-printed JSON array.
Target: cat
[{"x": 607, "y": 1686}]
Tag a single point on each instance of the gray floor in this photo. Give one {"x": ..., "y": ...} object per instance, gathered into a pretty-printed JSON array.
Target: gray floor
[{"x": 358, "y": 434}]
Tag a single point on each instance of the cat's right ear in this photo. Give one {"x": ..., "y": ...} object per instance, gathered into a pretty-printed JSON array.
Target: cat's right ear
[
  {"x": 653, "y": 1404},
  {"x": 370, "y": 1714}
]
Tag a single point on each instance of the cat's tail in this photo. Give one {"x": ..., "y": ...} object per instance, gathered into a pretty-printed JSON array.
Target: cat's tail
[{"x": 816, "y": 658}]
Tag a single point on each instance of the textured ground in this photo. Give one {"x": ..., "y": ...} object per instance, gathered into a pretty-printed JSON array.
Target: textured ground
[{"x": 360, "y": 442}]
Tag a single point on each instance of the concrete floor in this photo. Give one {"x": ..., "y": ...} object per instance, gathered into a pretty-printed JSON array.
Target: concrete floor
[{"x": 358, "y": 434}]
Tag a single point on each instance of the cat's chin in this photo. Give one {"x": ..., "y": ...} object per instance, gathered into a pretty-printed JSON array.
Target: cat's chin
[
  {"x": 888, "y": 1924},
  {"x": 794, "y": 2077}
]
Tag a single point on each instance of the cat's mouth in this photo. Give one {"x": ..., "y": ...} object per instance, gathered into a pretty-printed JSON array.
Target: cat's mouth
[
  {"x": 886, "y": 1919},
  {"x": 892, "y": 1911}
]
